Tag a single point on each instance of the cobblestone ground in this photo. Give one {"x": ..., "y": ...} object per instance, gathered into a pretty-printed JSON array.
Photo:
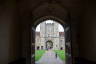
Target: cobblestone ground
[{"x": 50, "y": 58}]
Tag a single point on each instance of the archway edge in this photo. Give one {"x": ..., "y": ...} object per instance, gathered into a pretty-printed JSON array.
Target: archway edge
[{"x": 42, "y": 19}]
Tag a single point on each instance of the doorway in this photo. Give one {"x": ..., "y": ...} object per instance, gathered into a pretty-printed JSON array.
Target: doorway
[
  {"x": 49, "y": 45},
  {"x": 50, "y": 37}
]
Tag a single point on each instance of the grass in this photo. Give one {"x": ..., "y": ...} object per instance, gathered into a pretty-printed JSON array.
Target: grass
[
  {"x": 61, "y": 54},
  {"x": 38, "y": 54}
]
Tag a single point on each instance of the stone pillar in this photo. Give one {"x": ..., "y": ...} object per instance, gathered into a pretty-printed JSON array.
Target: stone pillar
[{"x": 68, "y": 43}]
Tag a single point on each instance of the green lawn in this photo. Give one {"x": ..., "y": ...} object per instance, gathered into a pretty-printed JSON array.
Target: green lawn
[
  {"x": 61, "y": 54},
  {"x": 38, "y": 54}
]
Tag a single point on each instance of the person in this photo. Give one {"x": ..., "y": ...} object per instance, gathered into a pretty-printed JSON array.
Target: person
[{"x": 56, "y": 55}]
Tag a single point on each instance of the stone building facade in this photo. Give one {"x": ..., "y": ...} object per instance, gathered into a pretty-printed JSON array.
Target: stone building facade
[{"x": 49, "y": 37}]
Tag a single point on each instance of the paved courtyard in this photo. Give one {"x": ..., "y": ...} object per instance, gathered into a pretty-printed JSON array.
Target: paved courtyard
[{"x": 50, "y": 58}]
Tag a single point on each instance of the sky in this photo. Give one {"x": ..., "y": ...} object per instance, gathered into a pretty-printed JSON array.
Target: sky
[{"x": 50, "y": 21}]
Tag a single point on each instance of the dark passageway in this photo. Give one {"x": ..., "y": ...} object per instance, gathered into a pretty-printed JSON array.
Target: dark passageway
[{"x": 19, "y": 18}]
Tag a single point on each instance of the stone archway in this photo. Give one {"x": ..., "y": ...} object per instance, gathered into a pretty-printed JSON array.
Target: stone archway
[
  {"x": 49, "y": 44},
  {"x": 34, "y": 14},
  {"x": 65, "y": 25}
]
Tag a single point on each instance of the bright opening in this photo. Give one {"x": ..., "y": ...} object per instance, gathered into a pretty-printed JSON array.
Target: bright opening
[{"x": 49, "y": 43}]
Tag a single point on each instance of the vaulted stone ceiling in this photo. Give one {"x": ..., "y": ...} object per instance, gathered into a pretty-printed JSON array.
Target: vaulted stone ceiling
[{"x": 75, "y": 7}]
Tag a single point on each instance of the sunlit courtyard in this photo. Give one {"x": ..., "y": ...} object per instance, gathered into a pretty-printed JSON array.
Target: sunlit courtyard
[
  {"x": 40, "y": 53},
  {"x": 49, "y": 43}
]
